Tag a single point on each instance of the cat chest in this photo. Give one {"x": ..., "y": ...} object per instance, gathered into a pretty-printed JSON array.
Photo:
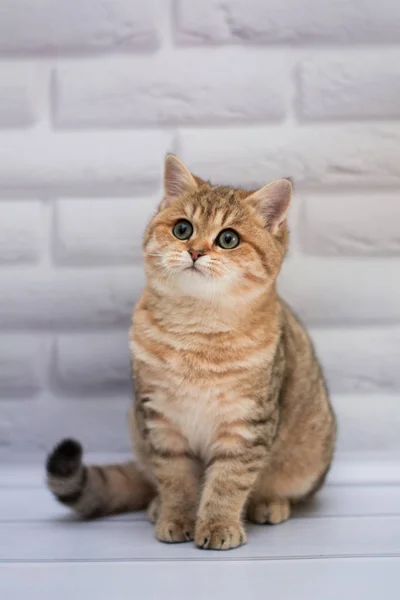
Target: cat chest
[{"x": 200, "y": 415}]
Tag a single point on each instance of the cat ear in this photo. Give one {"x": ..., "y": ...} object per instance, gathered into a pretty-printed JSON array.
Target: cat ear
[
  {"x": 178, "y": 180},
  {"x": 272, "y": 202}
]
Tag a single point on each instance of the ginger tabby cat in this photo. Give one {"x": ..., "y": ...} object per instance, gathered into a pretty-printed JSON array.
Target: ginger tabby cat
[{"x": 231, "y": 412}]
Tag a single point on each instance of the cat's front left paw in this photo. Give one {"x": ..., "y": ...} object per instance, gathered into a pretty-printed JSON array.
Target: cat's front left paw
[{"x": 219, "y": 535}]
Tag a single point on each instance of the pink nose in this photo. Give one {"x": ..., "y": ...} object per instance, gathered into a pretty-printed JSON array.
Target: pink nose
[{"x": 195, "y": 254}]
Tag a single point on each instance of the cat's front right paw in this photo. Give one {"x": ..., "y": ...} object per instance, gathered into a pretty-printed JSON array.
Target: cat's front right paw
[{"x": 174, "y": 530}]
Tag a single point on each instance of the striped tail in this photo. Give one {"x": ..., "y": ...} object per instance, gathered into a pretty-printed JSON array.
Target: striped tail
[{"x": 95, "y": 491}]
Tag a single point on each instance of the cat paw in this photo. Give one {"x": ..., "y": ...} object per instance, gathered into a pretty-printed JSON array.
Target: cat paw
[
  {"x": 174, "y": 530},
  {"x": 273, "y": 512},
  {"x": 222, "y": 535},
  {"x": 153, "y": 510}
]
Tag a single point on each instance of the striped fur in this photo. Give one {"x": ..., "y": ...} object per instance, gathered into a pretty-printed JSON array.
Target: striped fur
[
  {"x": 95, "y": 491},
  {"x": 231, "y": 412}
]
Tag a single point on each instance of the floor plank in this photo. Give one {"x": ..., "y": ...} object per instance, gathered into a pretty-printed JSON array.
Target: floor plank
[
  {"x": 344, "y": 544},
  {"x": 347, "y": 579},
  {"x": 58, "y": 540},
  {"x": 37, "y": 504}
]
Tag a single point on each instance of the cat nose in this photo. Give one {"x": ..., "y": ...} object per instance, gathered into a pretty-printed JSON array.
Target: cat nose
[{"x": 195, "y": 254}]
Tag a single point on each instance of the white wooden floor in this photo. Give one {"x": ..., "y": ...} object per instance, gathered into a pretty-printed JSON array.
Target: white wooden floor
[{"x": 345, "y": 545}]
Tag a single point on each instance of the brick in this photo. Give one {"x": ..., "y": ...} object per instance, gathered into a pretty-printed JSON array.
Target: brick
[
  {"x": 354, "y": 87},
  {"x": 96, "y": 363},
  {"x": 23, "y": 364},
  {"x": 307, "y": 22},
  {"x": 69, "y": 298},
  {"x": 360, "y": 360},
  {"x": 324, "y": 155},
  {"x": 368, "y": 422},
  {"x": 357, "y": 224},
  {"x": 21, "y": 224},
  {"x": 194, "y": 87},
  {"x": 76, "y": 26},
  {"x": 342, "y": 292},
  {"x": 83, "y": 162},
  {"x": 100, "y": 424},
  {"x": 101, "y": 230},
  {"x": 18, "y": 95}
]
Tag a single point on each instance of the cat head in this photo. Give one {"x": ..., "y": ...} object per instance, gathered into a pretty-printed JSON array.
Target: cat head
[{"x": 209, "y": 241}]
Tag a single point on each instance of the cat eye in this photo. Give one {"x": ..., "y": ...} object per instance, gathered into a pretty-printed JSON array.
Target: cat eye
[
  {"x": 228, "y": 239},
  {"x": 182, "y": 230}
]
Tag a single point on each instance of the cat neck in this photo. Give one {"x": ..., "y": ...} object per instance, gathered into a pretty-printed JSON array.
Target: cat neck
[{"x": 220, "y": 314}]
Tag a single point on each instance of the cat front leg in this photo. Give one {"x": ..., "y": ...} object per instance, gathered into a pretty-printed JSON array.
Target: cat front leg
[
  {"x": 230, "y": 476},
  {"x": 178, "y": 486},
  {"x": 166, "y": 456}
]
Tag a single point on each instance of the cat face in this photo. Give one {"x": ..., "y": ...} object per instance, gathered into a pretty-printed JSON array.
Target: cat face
[{"x": 209, "y": 241}]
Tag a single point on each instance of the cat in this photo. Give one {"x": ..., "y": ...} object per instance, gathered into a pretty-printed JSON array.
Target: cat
[{"x": 231, "y": 414}]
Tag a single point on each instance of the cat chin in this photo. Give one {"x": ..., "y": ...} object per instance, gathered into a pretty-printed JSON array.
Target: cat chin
[{"x": 197, "y": 284}]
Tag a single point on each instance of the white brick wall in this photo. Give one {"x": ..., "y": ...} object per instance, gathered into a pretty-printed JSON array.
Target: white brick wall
[
  {"x": 363, "y": 86},
  {"x": 93, "y": 363},
  {"x": 151, "y": 91},
  {"x": 19, "y": 101},
  {"x": 364, "y": 223},
  {"x": 53, "y": 26},
  {"x": 94, "y": 92},
  {"x": 21, "y": 230},
  {"x": 83, "y": 224},
  {"x": 306, "y": 22}
]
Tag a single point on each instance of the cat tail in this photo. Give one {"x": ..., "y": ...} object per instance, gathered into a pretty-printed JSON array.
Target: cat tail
[{"x": 95, "y": 491}]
